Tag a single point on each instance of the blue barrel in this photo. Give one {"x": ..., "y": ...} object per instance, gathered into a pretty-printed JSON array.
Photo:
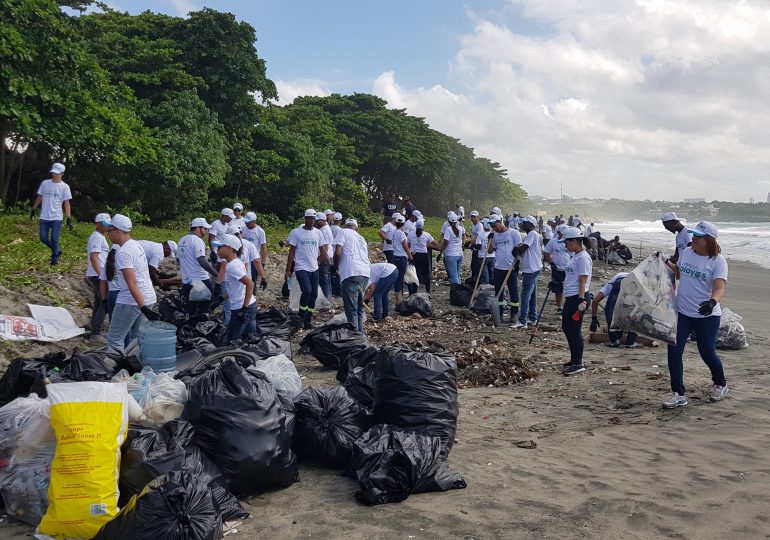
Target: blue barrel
[{"x": 157, "y": 346}]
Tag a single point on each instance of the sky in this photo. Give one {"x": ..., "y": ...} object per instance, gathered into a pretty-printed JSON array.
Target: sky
[{"x": 634, "y": 99}]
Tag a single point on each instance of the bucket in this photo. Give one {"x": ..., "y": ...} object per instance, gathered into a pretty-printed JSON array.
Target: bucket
[{"x": 157, "y": 346}]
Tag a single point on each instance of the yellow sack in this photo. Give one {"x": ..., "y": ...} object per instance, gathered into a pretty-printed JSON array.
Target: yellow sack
[{"x": 90, "y": 420}]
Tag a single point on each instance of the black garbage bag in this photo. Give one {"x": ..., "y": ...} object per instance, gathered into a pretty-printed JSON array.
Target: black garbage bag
[
  {"x": 460, "y": 295},
  {"x": 356, "y": 359},
  {"x": 290, "y": 411},
  {"x": 212, "y": 359},
  {"x": 277, "y": 322},
  {"x": 331, "y": 343},
  {"x": 240, "y": 424},
  {"x": 483, "y": 297},
  {"x": 360, "y": 384},
  {"x": 175, "y": 506},
  {"x": 266, "y": 347},
  {"x": 417, "y": 390},
  {"x": 26, "y": 375},
  {"x": 416, "y": 303},
  {"x": 89, "y": 366},
  {"x": 207, "y": 326},
  {"x": 391, "y": 463},
  {"x": 328, "y": 423},
  {"x": 201, "y": 344},
  {"x": 172, "y": 309}
]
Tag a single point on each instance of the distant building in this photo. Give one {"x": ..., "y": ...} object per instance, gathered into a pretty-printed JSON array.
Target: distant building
[
  {"x": 768, "y": 197},
  {"x": 695, "y": 200}
]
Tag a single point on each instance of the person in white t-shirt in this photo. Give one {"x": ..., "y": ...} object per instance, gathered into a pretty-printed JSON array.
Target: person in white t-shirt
[
  {"x": 307, "y": 248},
  {"x": 240, "y": 288},
  {"x": 576, "y": 299},
  {"x": 402, "y": 256},
  {"x": 218, "y": 230},
  {"x": 97, "y": 251},
  {"x": 702, "y": 274},
  {"x": 156, "y": 252},
  {"x": 451, "y": 248},
  {"x": 382, "y": 277},
  {"x": 531, "y": 252},
  {"x": 324, "y": 269},
  {"x": 53, "y": 195},
  {"x": 136, "y": 297},
  {"x": 503, "y": 245},
  {"x": 336, "y": 227},
  {"x": 673, "y": 224},
  {"x": 558, "y": 256},
  {"x": 474, "y": 245},
  {"x": 256, "y": 235},
  {"x": 238, "y": 220},
  {"x": 385, "y": 234},
  {"x": 194, "y": 266},
  {"x": 251, "y": 259},
  {"x": 420, "y": 241},
  {"x": 351, "y": 260},
  {"x": 548, "y": 230},
  {"x": 460, "y": 213},
  {"x": 610, "y": 291},
  {"x": 487, "y": 265}
]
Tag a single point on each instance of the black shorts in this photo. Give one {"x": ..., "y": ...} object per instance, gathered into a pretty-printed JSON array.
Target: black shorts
[{"x": 557, "y": 279}]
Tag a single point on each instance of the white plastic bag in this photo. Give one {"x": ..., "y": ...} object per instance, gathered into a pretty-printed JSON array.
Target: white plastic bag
[
  {"x": 731, "y": 333},
  {"x": 165, "y": 400},
  {"x": 410, "y": 276},
  {"x": 282, "y": 374},
  {"x": 295, "y": 292},
  {"x": 199, "y": 291}
]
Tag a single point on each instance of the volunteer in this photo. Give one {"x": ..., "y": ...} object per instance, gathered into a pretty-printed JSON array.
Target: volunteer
[
  {"x": 531, "y": 252},
  {"x": 402, "y": 256},
  {"x": 486, "y": 266},
  {"x": 134, "y": 303},
  {"x": 109, "y": 281},
  {"x": 336, "y": 228},
  {"x": 194, "y": 266},
  {"x": 256, "y": 235},
  {"x": 385, "y": 234},
  {"x": 673, "y": 224},
  {"x": 351, "y": 259},
  {"x": 452, "y": 245},
  {"x": 590, "y": 229},
  {"x": 324, "y": 274},
  {"x": 548, "y": 231},
  {"x": 306, "y": 248},
  {"x": 610, "y": 291},
  {"x": 503, "y": 245},
  {"x": 239, "y": 286},
  {"x": 52, "y": 195},
  {"x": 577, "y": 223},
  {"x": 238, "y": 220},
  {"x": 336, "y": 224},
  {"x": 702, "y": 273},
  {"x": 558, "y": 256},
  {"x": 475, "y": 245},
  {"x": 445, "y": 225},
  {"x": 251, "y": 260},
  {"x": 420, "y": 241},
  {"x": 408, "y": 206},
  {"x": 389, "y": 207},
  {"x": 576, "y": 300},
  {"x": 217, "y": 231},
  {"x": 382, "y": 277},
  {"x": 97, "y": 250},
  {"x": 409, "y": 225},
  {"x": 515, "y": 221},
  {"x": 460, "y": 212},
  {"x": 155, "y": 253}
]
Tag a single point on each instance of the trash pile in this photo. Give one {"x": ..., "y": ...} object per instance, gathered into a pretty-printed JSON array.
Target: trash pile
[
  {"x": 731, "y": 334},
  {"x": 490, "y": 364}
]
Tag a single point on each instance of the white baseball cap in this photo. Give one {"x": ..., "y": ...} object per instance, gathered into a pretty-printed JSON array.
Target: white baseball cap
[
  {"x": 494, "y": 218},
  {"x": 320, "y": 216},
  {"x": 416, "y": 213},
  {"x": 560, "y": 228},
  {"x": 496, "y": 210},
  {"x": 475, "y": 213},
  {"x": 200, "y": 222},
  {"x": 231, "y": 241},
  {"x": 351, "y": 221},
  {"x": 531, "y": 219},
  {"x": 571, "y": 233},
  {"x": 338, "y": 216},
  {"x": 400, "y": 219},
  {"x": 705, "y": 228},
  {"x": 233, "y": 229},
  {"x": 669, "y": 216},
  {"x": 228, "y": 212},
  {"x": 58, "y": 168},
  {"x": 249, "y": 217},
  {"x": 103, "y": 218},
  {"x": 173, "y": 247},
  {"x": 237, "y": 206},
  {"x": 329, "y": 211},
  {"x": 119, "y": 221},
  {"x": 420, "y": 223},
  {"x": 395, "y": 216},
  {"x": 310, "y": 213},
  {"x": 451, "y": 217}
]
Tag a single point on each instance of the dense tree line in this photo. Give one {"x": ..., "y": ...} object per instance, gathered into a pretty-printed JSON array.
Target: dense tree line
[{"x": 166, "y": 116}]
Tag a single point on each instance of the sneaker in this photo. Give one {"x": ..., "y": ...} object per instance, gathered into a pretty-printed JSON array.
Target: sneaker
[
  {"x": 633, "y": 346},
  {"x": 573, "y": 369},
  {"x": 517, "y": 325},
  {"x": 559, "y": 310},
  {"x": 98, "y": 338},
  {"x": 674, "y": 401},
  {"x": 718, "y": 393},
  {"x": 613, "y": 344},
  {"x": 531, "y": 322}
]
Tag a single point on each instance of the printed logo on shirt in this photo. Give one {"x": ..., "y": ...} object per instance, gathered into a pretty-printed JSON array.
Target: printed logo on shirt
[
  {"x": 311, "y": 243},
  {"x": 690, "y": 270}
]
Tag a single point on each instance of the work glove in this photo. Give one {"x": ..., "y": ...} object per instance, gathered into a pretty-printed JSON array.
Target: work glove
[
  {"x": 32, "y": 214},
  {"x": 388, "y": 242},
  {"x": 263, "y": 284},
  {"x": 594, "y": 324},
  {"x": 705, "y": 308},
  {"x": 150, "y": 314},
  {"x": 467, "y": 244},
  {"x": 438, "y": 257},
  {"x": 239, "y": 316},
  {"x": 366, "y": 301},
  {"x": 517, "y": 265},
  {"x": 475, "y": 247},
  {"x": 69, "y": 223},
  {"x": 490, "y": 236}
]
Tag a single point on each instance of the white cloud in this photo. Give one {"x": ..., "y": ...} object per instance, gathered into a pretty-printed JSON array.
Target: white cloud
[
  {"x": 183, "y": 7},
  {"x": 289, "y": 90},
  {"x": 624, "y": 98}
]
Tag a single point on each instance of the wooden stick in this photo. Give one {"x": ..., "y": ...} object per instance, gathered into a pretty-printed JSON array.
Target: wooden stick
[{"x": 478, "y": 278}]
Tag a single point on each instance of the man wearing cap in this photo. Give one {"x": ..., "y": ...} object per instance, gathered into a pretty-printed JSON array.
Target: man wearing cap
[
  {"x": 475, "y": 243},
  {"x": 531, "y": 252},
  {"x": 336, "y": 226},
  {"x": 351, "y": 260},
  {"x": 217, "y": 230},
  {"x": 155, "y": 253},
  {"x": 194, "y": 266},
  {"x": 460, "y": 212},
  {"x": 515, "y": 221},
  {"x": 256, "y": 235},
  {"x": 557, "y": 255},
  {"x": 53, "y": 195},
  {"x": 389, "y": 207},
  {"x": 324, "y": 269},
  {"x": 503, "y": 245},
  {"x": 307, "y": 248},
  {"x": 673, "y": 224},
  {"x": 386, "y": 233},
  {"x": 238, "y": 220},
  {"x": 548, "y": 230},
  {"x": 97, "y": 250}
]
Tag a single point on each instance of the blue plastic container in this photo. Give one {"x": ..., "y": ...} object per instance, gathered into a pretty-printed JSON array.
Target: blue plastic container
[{"x": 157, "y": 346}]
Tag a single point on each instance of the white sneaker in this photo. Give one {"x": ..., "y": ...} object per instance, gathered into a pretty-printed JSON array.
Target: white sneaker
[
  {"x": 718, "y": 393},
  {"x": 674, "y": 401},
  {"x": 518, "y": 325}
]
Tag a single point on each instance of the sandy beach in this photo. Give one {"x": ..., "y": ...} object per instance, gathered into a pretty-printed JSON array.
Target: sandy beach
[{"x": 607, "y": 461}]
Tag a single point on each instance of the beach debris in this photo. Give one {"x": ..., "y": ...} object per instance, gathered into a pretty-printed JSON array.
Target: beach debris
[{"x": 731, "y": 334}]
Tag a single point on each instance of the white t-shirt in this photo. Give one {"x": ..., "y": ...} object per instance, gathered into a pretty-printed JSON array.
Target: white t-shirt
[
  {"x": 237, "y": 222},
  {"x": 697, "y": 275},
  {"x": 408, "y": 227},
  {"x": 476, "y": 231},
  {"x": 504, "y": 243},
  {"x": 307, "y": 244},
  {"x": 54, "y": 194},
  {"x": 607, "y": 289},
  {"x": 237, "y": 290},
  {"x": 335, "y": 231},
  {"x": 589, "y": 230},
  {"x": 326, "y": 231},
  {"x": 256, "y": 235},
  {"x": 419, "y": 244},
  {"x": 378, "y": 271},
  {"x": 113, "y": 285},
  {"x": 444, "y": 227},
  {"x": 483, "y": 240},
  {"x": 153, "y": 251},
  {"x": 190, "y": 248},
  {"x": 249, "y": 253},
  {"x": 97, "y": 244},
  {"x": 398, "y": 238},
  {"x": 683, "y": 238},
  {"x": 560, "y": 255},
  {"x": 532, "y": 258},
  {"x": 388, "y": 229},
  {"x": 547, "y": 233},
  {"x": 218, "y": 230},
  {"x": 579, "y": 265},
  {"x": 355, "y": 254},
  {"x": 454, "y": 247},
  {"x": 131, "y": 255},
  {"x": 461, "y": 211}
]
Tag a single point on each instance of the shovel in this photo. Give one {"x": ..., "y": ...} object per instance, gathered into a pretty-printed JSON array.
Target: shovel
[
  {"x": 494, "y": 305},
  {"x": 478, "y": 278},
  {"x": 537, "y": 322}
]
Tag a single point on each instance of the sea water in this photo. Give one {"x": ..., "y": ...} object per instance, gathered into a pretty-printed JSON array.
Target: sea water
[{"x": 739, "y": 241}]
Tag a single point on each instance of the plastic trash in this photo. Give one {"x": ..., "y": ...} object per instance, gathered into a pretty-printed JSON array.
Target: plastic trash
[
  {"x": 277, "y": 322},
  {"x": 328, "y": 423},
  {"x": 175, "y": 506},
  {"x": 390, "y": 464},
  {"x": 202, "y": 467},
  {"x": 283, "y": 375},
  {"x": 731, "y": 334},
  {"x": 460, "y": 295},
  {"x": 331, "y": 343},
  {"x": 206, "y": 326},
  {"x": 356, "y": 359},
  {"x": 416, "y": 303},
  {"x": 295, "y": 292},
  {"x": 410, "y": 276},
  {"x": 172, "y": 309},
  {"x": 417, "y": 390},
  {"x": 26, "y": 375},
  {"x": 483, "y": 297},
  {"x": 212, "y": 359},
  {"x": 265, "y": 347},
  {"x": 165, "y": 399},
  {"x": 240, "y": 424},
  {"x": 199, "y": 292}
]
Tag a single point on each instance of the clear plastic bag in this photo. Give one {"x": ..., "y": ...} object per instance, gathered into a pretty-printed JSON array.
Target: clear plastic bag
[
  {"x": 731, "y": 333},
  {"x": 283, "y": 375},
  {"x": 410, "y": 276},
  {"x": 165, "y": 399},
  {"x": 295, "y": 292},
  {"x": 199, "y": 291}
]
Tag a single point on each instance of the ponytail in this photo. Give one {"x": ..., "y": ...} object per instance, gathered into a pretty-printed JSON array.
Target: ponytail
[
  {"x": 110, "y": 265},
  {"x": 455, "y": 229}
]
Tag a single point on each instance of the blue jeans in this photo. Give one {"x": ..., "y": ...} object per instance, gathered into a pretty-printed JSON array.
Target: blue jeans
[
  {"x": 124, "y": 323},
  {"x": 381, "y": 292},
  {"x": 388, "y": 256},
  {"x": 705, "y": 329},
  {"x": 528, "y": 296},
  {"x": 49, "y": 235},
  {"x": 488, "y": 271},
  {"x": 609, "y": 309},
  {"x": 401, "y": 264},
  {"x": 246, "y": 328},
  {"x": 226, "y": 307},
  {"x": 513, "y": 291},
  {"x": 453, "y": 264},
  {"x": 353, "y": 289},
  {"x": 325, "y": 280},
  {"x": 308, "y": 284}
]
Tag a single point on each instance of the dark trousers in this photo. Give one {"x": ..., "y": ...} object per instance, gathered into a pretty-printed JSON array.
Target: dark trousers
[
  {"x": 513, "y": 291},
  {"x": 325, "y": 280},
  {"x": 573, "y": 330},
  {"x": 336, "y": 284},
  {"x": 239, "y": 329},
  {"x": 422, "y": 265},
  {"x": 388, "y": 256},
  {"x": 308, "y": 284},
  {"x": 475, "y": 264},
  {"x": 196, "y": 308},
  {"x": 609, "y": 309},
  {"x": 401, "y": 264},
  {"x": 99, "y": 310},
  {"x": 706, "y": 330},
  {"x": 50, "y": 230}
]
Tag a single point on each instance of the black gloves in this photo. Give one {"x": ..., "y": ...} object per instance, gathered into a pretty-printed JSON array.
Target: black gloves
[
  {"x": 490, "y": 236},
  {"x": 150, "y": 314},
  {"x": 32, "y": 214},
  {"x": 705, "y": 308},
  {"x": 239, "y": 316},
  {"x": 69, "y": 223},
  {"x": 517, "y": 265},
  {"x": 438, "y": 257},
  {"x": 388, "y": 241},
  {"x": 263, "y": 284},
  {"x": 467, "y": 244},
  {"x": 594, "y": 324},
  {"x": 475, "y": 247}
]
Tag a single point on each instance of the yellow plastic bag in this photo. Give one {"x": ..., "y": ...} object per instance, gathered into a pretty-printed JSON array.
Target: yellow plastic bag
[{"x": 90, "y": 420}]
